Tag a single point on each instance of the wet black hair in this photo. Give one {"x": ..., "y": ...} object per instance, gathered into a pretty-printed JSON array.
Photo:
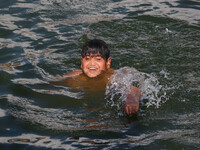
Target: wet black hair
[{"x": 96, "y": 47}]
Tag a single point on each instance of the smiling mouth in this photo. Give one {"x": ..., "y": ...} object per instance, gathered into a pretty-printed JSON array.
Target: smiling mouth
[{"x": 92, "y": 69}]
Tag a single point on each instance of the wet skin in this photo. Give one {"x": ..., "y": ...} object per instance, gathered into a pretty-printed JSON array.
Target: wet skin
[
  {"x": 94, "y": 77},
  {"x": 80, "y": 82},
  {"x": 92, "y": 66}
]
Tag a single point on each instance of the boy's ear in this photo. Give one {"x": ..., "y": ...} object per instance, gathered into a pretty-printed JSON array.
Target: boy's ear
[{"x": 108, "y": 63}]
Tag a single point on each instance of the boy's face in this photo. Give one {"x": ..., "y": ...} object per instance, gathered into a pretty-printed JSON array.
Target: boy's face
[{"x": 93, "y": 66}]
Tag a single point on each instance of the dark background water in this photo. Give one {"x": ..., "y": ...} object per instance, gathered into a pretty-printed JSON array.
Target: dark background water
[{"x": 42, "y": 39}]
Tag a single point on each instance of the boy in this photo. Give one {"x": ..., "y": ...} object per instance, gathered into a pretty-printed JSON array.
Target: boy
[{"x": 95, "y": 73}]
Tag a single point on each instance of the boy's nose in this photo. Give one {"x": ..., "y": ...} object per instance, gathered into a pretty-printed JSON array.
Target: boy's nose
[{"x": 92, "y": 61}]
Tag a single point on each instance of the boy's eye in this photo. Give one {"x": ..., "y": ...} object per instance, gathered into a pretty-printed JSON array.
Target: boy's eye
[
  {"x": 87, "y": 57},
  {"x": 98, "y": 58}
]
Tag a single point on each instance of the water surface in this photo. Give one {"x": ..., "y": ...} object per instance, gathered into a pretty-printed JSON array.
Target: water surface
[{"x": 154, "y": 45}]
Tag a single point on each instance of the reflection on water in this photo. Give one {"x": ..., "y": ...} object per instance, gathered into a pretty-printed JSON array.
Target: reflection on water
[
  {"x": 157, "y": 41},
  {"x": 134, "y": 141},
  {"x": 11, "y": 65},
  {"x": 3, "y": 45}
]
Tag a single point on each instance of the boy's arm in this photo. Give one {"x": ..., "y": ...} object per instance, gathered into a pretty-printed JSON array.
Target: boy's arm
[
  {"x": 70, "y": 74},
  {"x": 73, "y": 73},
  {"x": 131, "y": 105}
]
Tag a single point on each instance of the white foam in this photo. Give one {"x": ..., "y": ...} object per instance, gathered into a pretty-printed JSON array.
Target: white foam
[
  {"x": 2, "y": 113},
  {"x": 120, "y": 82}
]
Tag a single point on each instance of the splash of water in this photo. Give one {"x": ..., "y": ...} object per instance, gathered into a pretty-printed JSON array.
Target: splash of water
[{"x": 153, "y": 93}]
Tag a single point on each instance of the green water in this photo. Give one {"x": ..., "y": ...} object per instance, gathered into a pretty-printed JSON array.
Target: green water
[{"x": 153, "y": 44}]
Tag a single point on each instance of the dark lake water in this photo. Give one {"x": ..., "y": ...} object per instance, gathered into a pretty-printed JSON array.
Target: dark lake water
[{"x": 154, "y": 44}]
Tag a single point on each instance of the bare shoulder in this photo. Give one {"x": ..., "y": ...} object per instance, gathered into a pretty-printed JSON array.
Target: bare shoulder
[
  {"x": 111, "y": 71},
  {"x": 70, "y": 74},
  {"x": 73, "y": 73}
]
